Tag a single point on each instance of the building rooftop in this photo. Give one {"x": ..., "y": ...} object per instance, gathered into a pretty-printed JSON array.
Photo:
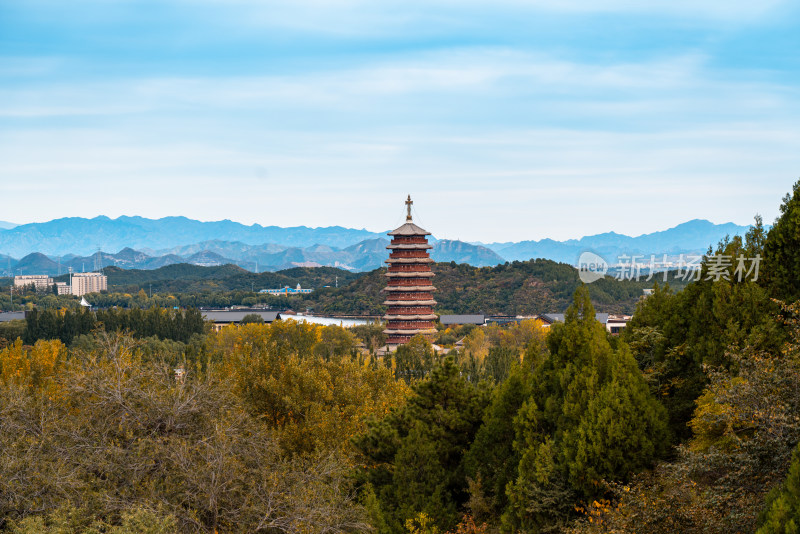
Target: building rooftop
[
  {"x": 236, "y": 316},
  {"x": 409, "y": 228},
  {"x": 559, "y": 317},
  {"x": 11, "y": 316},
  {"x": 462, "y": 319}
]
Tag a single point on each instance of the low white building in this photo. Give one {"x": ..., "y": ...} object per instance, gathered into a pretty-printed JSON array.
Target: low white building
[
  {"x": 63, "y": 289},
  {"x": 287, "y": 291}
]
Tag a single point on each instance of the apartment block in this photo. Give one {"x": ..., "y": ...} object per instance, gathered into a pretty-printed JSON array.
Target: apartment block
[
  {"x": 42, "y": 282},
  {"x": 83, "y": 283}
]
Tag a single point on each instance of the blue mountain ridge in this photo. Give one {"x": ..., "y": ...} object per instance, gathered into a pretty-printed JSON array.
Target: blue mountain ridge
[{"x": 151, "y": 243}]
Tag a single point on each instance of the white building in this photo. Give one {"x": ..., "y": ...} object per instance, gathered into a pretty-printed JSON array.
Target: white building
[
  {"x": 83, "y": 283},
  {"x": 287, "y": 291},
  {"x": 63, "y": 289},
  {"x": 40, "y": 281}
]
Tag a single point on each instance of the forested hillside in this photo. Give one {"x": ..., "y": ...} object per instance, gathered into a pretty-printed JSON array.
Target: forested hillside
[
  {"x": 185, "y": 278},
  {"x": 518, "y": 288}
]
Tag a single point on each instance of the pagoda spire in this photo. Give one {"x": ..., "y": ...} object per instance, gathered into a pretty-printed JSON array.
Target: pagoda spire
[{"x": 409, "y": 202}]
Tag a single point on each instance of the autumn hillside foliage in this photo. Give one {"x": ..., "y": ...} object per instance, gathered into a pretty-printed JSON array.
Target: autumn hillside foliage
[{"x": 249, "y": 434}]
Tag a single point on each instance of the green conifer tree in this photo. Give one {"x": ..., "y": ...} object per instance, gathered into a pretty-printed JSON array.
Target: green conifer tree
[
  {"x": 781, "y": 269},
  {"x": 590, "y": 419},
  {"x": 416, "y": 453},
  {"x": 782, "y": 514}
]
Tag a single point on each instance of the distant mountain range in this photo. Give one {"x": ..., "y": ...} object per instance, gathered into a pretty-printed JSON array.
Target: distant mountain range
[
  {"x": 6, "y": 225},
  {"x": 364, "y": 256},
  {"x": 76, "y": 235},
  {"x": 55, "y": 246},
  {"x": 690, "y": 237}
]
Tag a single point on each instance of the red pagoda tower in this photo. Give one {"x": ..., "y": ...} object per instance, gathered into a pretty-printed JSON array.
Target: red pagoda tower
[{"x": 409, "y": 291}]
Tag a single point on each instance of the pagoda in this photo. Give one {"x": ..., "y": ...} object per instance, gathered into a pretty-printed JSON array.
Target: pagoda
[{"x": 409, "y": 290}]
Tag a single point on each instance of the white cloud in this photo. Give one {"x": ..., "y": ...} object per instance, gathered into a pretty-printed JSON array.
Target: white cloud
[
  {"x": 513, "y": 82},
  {"x": 491, "y": 186},
  {"x": 495, "y": 144}
]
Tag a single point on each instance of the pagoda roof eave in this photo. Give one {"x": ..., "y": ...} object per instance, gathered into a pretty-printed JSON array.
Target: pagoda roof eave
[
  {"x": 410, "y": 260},
  {"x": 409, "y": 303},
  {"x": 409, "y": 288},
  {"x": 429, "y": 317},
  {"x": 409, "y": 229},
  {"x": 409, "y": 274},
  {"x": 410, "y": 332},
  {"x": 409, "y": 246}
]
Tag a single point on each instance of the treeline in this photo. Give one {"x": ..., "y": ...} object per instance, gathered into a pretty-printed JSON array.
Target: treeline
[
  {"x": 186, "y": 285},
  {"x": 186, "y": 278},
  {"x": 66, "y": 325},
  {"x": 518, "y": 288},
  {"x": 143, "y": 299}
]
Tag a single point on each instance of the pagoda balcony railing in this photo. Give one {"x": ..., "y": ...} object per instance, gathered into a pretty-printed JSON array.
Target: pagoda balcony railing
[
  {"x": 401, "y": 303},
  {"x": 409, "y": 240},
  {"x": 409, "y": 325},
  {"x": 399, "y": 275},
  {"x": 407, "y": 310},
  {"x": 403, "y": 254},
  {"x": 410, "y": 297},
  {"x": 409, "y": 282},
  {"x": 410, "y": 246},
  {"x": 410, "y": 261},
  {"x": 409, "y": 268}
]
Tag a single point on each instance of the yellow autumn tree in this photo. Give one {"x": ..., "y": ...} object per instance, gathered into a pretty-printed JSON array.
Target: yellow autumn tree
[
  {"x": 287, "y": 375},
  {"x": 30, "y": 366}
]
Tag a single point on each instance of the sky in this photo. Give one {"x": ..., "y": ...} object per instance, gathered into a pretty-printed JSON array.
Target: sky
[{"x": 505, "y": 120}]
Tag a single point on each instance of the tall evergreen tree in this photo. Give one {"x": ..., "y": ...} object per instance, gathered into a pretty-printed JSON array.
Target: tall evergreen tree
[
  {"x": 416, "y": 453},
  {"x": 492, "y": 460},
  {"x": 781, "y": 270},
  {"x": 590, "y": 419}
]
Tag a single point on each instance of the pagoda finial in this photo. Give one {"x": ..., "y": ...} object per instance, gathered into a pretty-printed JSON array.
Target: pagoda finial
[{"x": 408, "y": 206}]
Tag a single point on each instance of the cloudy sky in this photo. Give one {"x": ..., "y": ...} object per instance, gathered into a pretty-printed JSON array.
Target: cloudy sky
[{"x": 505, "y": 120}]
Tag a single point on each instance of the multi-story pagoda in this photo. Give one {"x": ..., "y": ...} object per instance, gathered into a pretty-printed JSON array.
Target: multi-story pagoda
[{"x": 409, "y": 291}]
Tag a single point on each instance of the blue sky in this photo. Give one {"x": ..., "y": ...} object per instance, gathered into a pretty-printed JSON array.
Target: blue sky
[{"x": 505, "y": 120}]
